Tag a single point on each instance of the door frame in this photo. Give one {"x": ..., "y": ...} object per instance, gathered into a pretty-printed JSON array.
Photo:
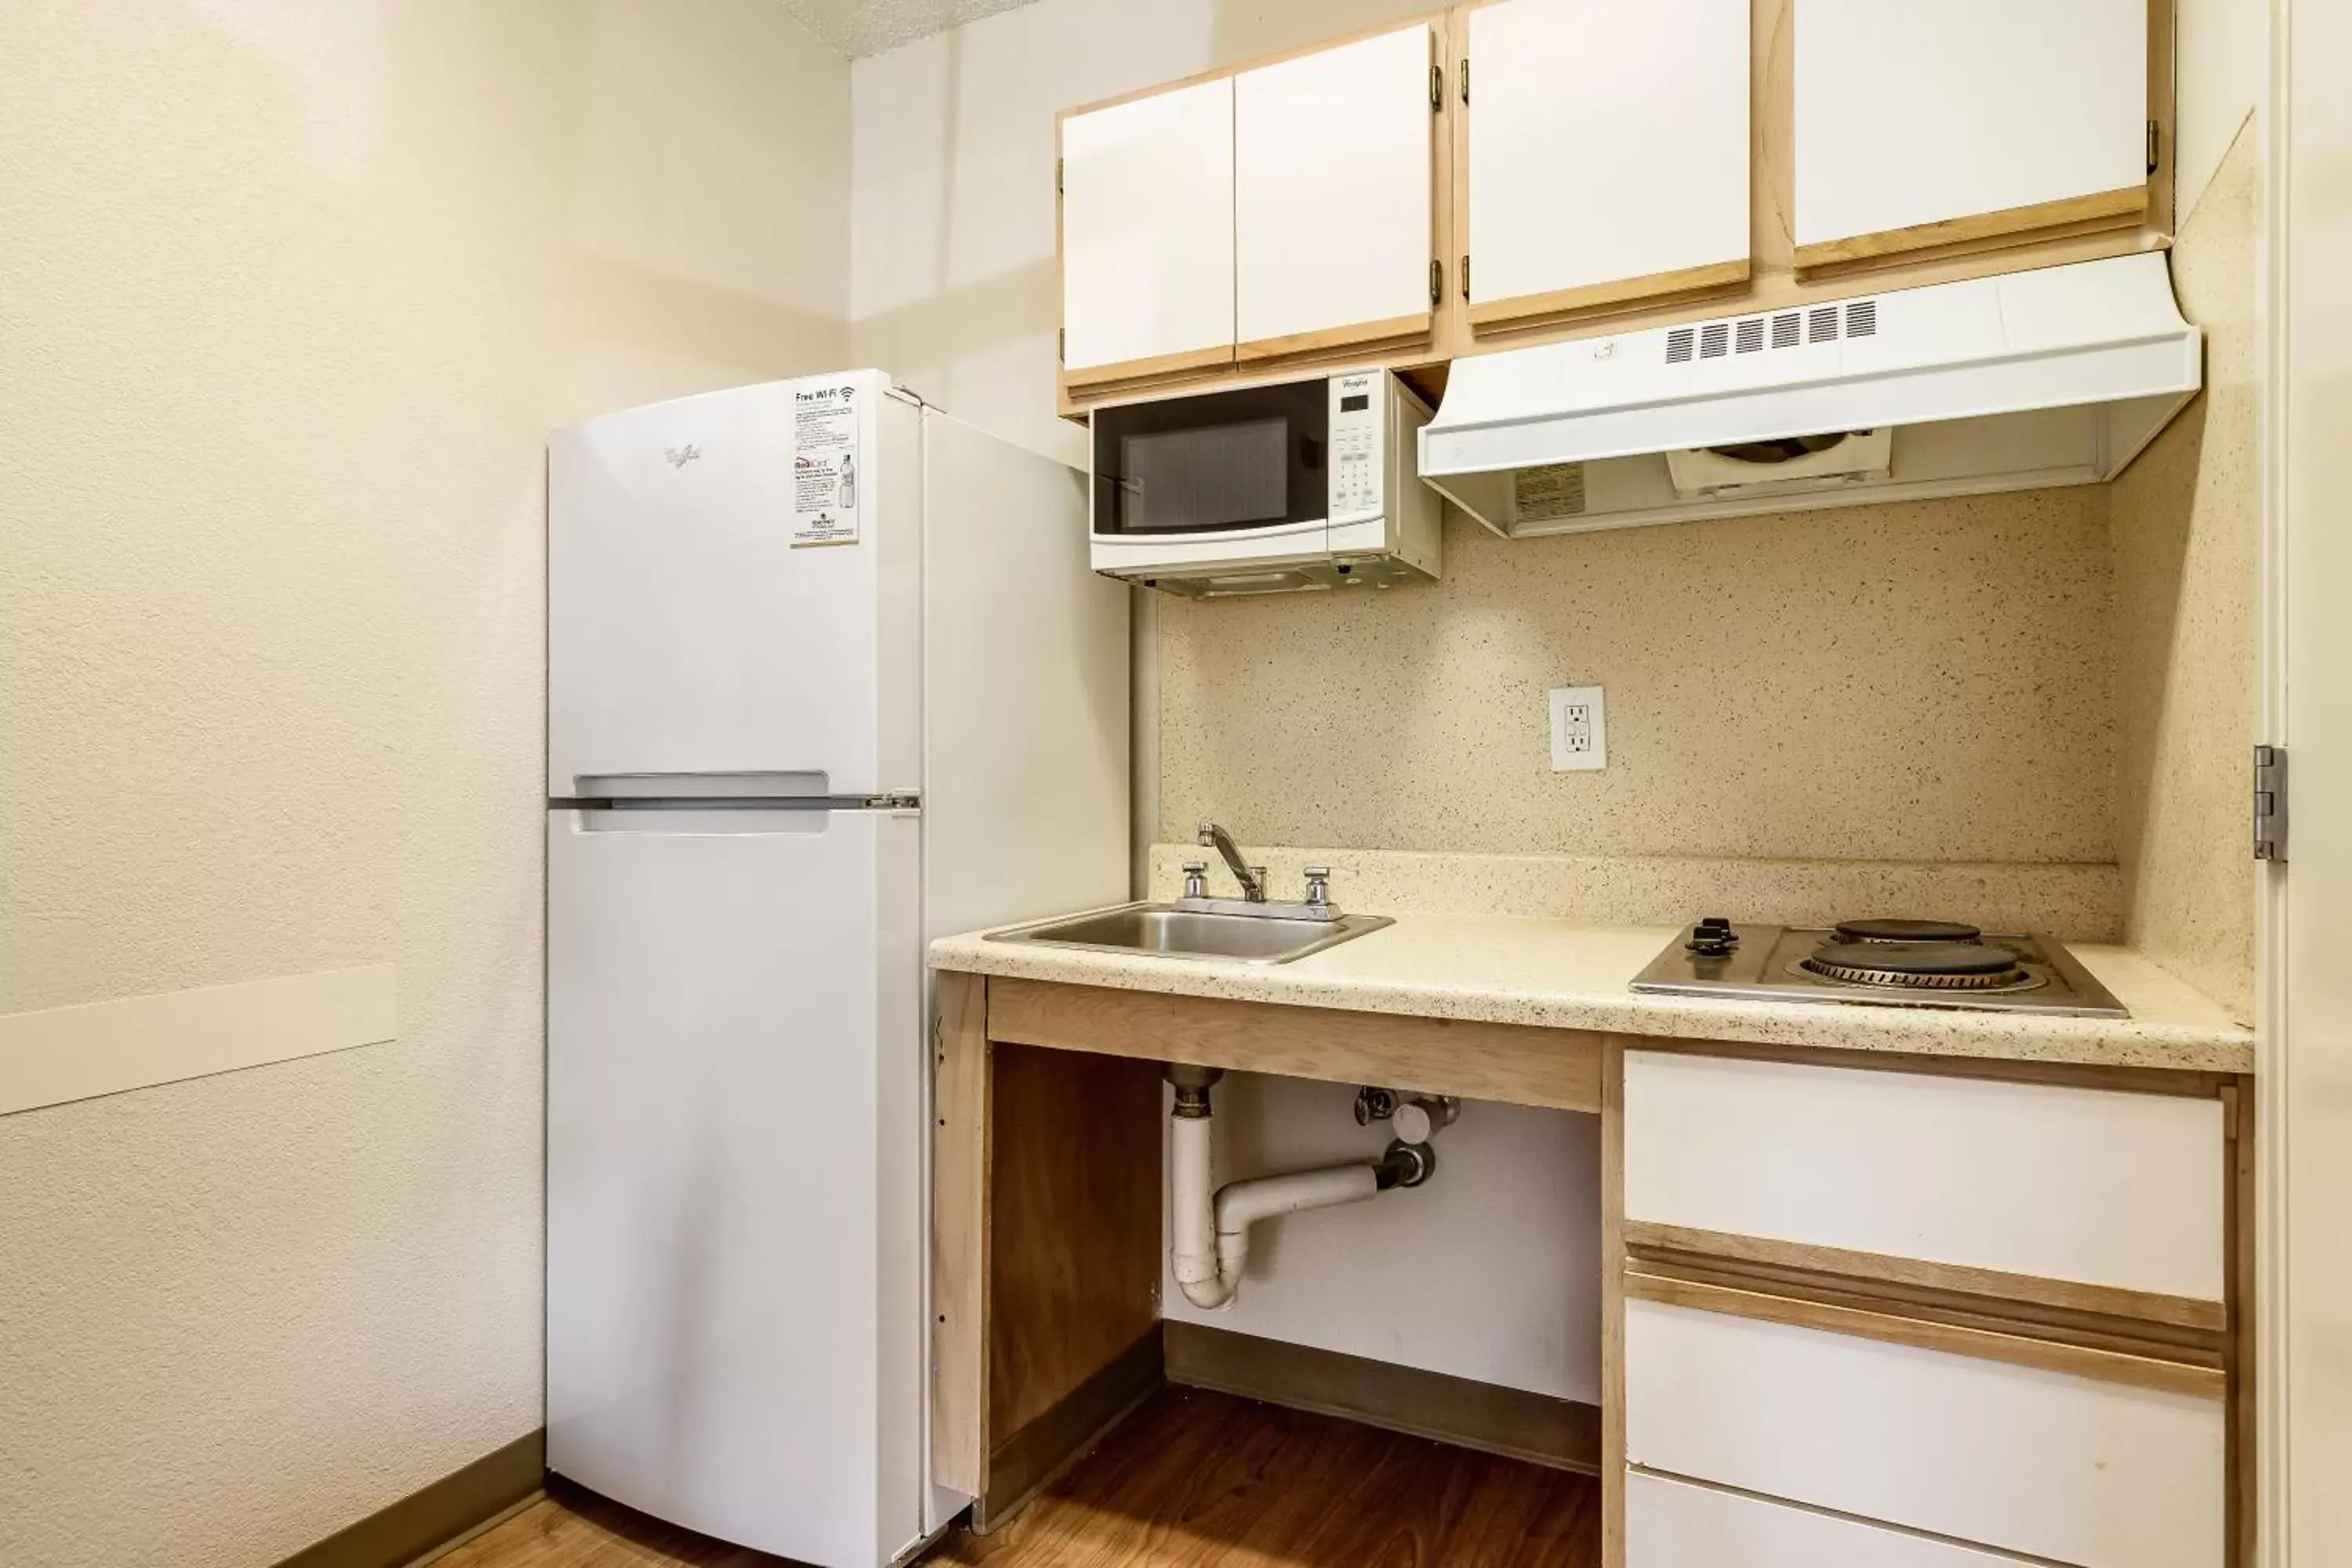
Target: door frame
[{"x": 2303, "y": 1007}]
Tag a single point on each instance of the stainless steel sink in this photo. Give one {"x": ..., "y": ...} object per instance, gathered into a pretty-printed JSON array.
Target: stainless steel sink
[{"x": 1164, "y": 930}]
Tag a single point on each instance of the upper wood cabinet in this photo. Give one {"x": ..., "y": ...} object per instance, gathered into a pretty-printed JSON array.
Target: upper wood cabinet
[
  {"x": 1334, "y": 221},
  {"x": 1148, "y": 235},
  {"x": 1934, "y": 123},
  {"x": 1516, "y": 172},
  {"x": 1608, "y": 153}
]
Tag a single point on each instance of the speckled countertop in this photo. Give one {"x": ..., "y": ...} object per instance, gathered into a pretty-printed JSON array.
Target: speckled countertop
[{"x": 1561, "y": 975}]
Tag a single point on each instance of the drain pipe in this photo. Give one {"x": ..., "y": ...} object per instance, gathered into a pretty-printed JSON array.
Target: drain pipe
[{"x": 1210, "y": 1245}]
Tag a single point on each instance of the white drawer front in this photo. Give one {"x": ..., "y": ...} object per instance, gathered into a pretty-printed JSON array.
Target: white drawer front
[
  {"x": 2025, "y": 1460},
  {"x": 2091, "y": 1185},
  {"x": 1674, "y": 1524}
]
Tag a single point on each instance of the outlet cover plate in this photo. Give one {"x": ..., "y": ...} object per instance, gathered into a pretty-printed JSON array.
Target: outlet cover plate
[{"x": 1579, "y": 734}]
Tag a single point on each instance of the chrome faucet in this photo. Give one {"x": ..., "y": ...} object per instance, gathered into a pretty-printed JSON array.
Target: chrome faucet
[{"x": 1251, "y": 877}]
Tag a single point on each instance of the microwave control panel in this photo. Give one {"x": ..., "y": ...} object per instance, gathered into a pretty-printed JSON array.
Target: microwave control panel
[{"x": 1359, "y": 414}]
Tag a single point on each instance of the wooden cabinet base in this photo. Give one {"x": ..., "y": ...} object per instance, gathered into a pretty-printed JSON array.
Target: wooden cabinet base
[
  {"x": 2016, "y": 226},
  {"x": 1032, "y": 1457},
  {"x": 1654, "y": 293}
]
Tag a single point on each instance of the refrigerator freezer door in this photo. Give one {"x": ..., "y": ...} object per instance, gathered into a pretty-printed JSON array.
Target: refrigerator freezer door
[
  {"x": 700, "y": 623},
  {"x": 736, "y": 1127}
]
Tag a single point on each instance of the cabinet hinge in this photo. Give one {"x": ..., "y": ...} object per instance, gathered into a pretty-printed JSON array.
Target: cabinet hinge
[
  {"x": 1436, "y": 280},
  {"x": 1436, "y": 89},
  {"x": 1463, "y": 71},
  {"x": 1466, "y": 275},
  {"x": 2154, "y": 132},
  {"x": 2270, "y": 803}
]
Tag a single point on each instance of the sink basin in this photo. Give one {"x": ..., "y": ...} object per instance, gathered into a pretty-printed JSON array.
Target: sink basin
[{"x": 1163, "y": 930}]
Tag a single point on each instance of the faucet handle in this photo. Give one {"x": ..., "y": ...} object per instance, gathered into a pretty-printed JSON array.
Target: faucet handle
[
  {"x": 1196, "y": 878},
  {"x": 1318, "y": 886}
]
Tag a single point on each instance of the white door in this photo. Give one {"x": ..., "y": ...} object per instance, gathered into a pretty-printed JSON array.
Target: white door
[
  {"x": 1333, "y": 197},
  {"x": 695, "y": 629},
  {"x": 1148, "y": 235},
  {"x": 1609, "y": 151},
  {"x": 2305, "y": 988},
  {"x": 735, "y": 1132},
  {"x": 1990, "y": 115}
]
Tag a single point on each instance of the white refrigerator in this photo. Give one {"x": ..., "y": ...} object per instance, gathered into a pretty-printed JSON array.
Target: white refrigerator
[{"x": 827, "y": 674}]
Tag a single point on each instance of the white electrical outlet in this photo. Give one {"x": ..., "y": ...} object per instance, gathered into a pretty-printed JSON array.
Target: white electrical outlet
[{"x": 1580, "y": 738}]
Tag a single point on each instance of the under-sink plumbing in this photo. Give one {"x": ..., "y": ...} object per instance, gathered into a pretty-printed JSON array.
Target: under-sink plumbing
[{"x": 1212, "y": 1225}]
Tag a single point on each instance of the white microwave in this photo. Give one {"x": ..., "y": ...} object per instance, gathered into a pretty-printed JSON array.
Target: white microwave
[{"x": 1264, "y": 489}]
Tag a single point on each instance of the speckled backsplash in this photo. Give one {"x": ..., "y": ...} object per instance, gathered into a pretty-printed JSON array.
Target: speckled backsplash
[
  {"x": 1923, "y": 681},
  {"x": 2071, "y": 901}
]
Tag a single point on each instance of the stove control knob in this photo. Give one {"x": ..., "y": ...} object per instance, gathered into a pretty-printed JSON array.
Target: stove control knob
[{"x": 1712, "y": 938}]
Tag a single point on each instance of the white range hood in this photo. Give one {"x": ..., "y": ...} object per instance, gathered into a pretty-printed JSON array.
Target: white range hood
[{"x": 2058, "y": 376}]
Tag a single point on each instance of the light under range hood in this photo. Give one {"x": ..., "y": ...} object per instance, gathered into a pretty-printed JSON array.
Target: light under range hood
[{"x": 2057, "y": 376}]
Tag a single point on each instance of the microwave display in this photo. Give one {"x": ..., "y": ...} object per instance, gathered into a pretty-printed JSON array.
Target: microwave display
[{"x": 1249, "y": 458}]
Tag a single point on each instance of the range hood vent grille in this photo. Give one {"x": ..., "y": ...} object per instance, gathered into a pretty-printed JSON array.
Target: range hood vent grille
[{"x": 1747, "y": 334}]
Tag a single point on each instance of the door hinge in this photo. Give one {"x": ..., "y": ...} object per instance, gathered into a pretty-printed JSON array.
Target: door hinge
[
  {"x": 2154, "y": 132},
  {"x": 1062, "y": 347},
  {"x": 2270, "y": 803},
  {"x": 900, "y": 800},
  {"x": 1463, "y": 70},
  {"x": 1466, "y": 275},
  {"x": 1436, "y": 280},
  {"x": 1436, "y": 89},
  {"x": 1057, "y": 176}
]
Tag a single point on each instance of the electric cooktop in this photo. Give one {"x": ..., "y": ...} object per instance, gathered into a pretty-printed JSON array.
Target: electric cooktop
[{"x": 1886, "y": 963}]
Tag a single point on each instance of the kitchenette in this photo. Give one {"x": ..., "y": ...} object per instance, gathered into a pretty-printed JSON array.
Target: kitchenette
[{"x": 1727, "y": 965}]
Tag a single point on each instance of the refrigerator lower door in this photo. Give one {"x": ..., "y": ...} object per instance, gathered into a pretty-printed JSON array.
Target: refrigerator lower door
[{"x": 735, "y": 1172}]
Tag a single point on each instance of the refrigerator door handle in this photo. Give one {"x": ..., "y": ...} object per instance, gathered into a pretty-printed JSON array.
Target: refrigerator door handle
[
  {"x": 812, "y": 784},
  {"x": 701, "y": 821}
]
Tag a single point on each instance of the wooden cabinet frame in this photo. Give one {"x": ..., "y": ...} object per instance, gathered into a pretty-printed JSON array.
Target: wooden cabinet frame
[{"x": 1015, "y": 1401}]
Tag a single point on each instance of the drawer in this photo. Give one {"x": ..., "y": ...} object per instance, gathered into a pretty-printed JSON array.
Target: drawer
[
  {"x": 2095, "y": 1187},
  {"x": 2025, "y": 1460},
  {"x": 1677, "y": 1525}
]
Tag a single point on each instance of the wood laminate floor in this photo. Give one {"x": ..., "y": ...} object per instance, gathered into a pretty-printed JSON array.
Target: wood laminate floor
[{"x": 1192, "y": 1481}]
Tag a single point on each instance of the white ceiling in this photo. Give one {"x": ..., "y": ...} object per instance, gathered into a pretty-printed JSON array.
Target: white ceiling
[{"x": 857, "y": 27}]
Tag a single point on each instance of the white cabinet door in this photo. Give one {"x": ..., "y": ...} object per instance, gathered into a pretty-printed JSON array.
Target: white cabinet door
[
  {"x": 1148, "y": 235},
  {"x": 1980, "y": 117},
  {"x": 2048, "y": 1464},
  {"x": 2097, "y": 1186},
  {"x": 1333, "y": 194},
  {"x": 1609, "y": 151}
]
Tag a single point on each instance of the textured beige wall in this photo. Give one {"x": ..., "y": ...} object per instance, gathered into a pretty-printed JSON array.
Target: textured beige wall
[
  {"x": 1926, "y": 681},
  {"x": 290, "y": 295},
  {"x": 2185, "y": 519}
]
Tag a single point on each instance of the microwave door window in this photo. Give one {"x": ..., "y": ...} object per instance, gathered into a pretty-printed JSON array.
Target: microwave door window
[
  {"x": 1206, "y": 477},
  {"x": 1220, "y": 462}
]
